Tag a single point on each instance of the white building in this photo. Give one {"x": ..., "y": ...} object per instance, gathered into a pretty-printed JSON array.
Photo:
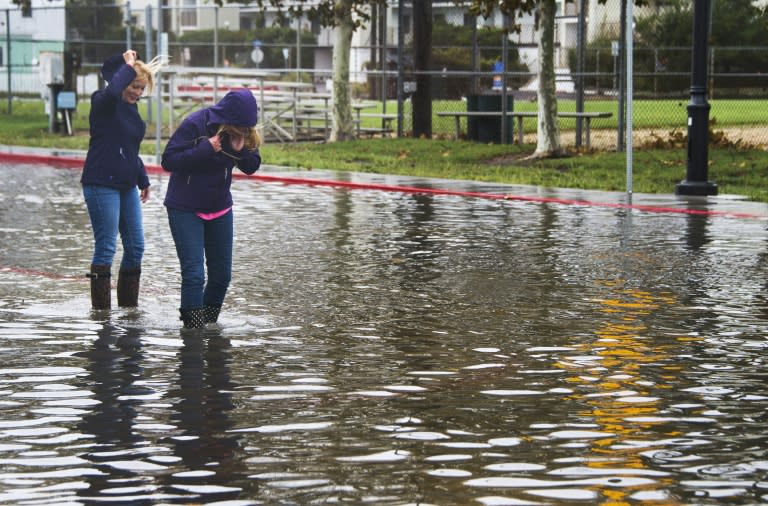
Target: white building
[{"x": 32, "y": 43}]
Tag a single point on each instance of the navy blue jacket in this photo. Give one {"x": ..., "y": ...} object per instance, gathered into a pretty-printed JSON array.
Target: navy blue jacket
[
  {"x": 116, "y": 133},
  {"x": 200, "y": 177}
]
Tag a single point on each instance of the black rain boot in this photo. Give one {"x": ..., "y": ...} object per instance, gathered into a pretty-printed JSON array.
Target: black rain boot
[
  {"x": 193, "y": 318},
  {"x": 128, "y": 287},
  {"x": 101, "y": 286},
  {"x": 212, "y": 313}
]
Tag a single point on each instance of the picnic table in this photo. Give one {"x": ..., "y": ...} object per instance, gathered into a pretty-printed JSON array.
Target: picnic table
[
  {"x": 386, "y": 119},
  {"x": 520, "y": 115}
]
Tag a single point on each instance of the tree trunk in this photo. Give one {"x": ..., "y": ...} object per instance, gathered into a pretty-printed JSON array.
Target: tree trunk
[
  {"x": 548, "y": 131},
  {"x": 422, "y": 59},
  {"x": 342, "y": 127}
]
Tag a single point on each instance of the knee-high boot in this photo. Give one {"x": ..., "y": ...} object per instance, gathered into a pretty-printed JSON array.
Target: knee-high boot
[
  {"x": 128, "y": 287},
  {"x": 101, "y": 286}
]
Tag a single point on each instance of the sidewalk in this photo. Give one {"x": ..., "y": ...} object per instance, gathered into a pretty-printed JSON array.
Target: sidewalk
[{"x": 733, "y": 206}]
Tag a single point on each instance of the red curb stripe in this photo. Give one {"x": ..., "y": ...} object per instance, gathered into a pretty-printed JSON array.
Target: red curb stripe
[
  {"x": 56, "y": 161},
  {"x": 43, "y": 274},
  {"x": 73, "y": 162}
]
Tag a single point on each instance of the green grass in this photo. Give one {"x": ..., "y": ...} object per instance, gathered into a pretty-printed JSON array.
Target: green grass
[{"x": 742, "y": 172}]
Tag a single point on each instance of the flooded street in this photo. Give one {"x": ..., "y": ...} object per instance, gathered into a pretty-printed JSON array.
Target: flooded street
[{"x": 388, "y": 348}]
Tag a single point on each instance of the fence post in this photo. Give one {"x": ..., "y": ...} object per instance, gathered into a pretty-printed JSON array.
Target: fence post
[
  {"x": 474, "y": 58},
  {"x": 8, "y": 56},
  {"x": 400, "y": 43},
  {"x": 148, "y": 45},
  {"x": 505, "y": 136},
  {"x": 159, "y": 91},
  {"x": 580, "y": 69},
  {"x": 622, "y": 75},
  {"x": 216, "y": 53},
  {"x": 128, "y": 24}
]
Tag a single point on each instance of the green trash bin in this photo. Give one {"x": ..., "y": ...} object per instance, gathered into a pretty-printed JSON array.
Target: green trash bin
[{"x": 488, "y": 130}]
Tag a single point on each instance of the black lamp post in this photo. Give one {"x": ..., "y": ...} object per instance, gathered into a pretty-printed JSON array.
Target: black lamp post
[{"x": 695, "y": 182}]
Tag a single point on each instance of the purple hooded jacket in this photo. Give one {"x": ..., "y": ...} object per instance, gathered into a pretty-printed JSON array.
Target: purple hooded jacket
[{"x": 200, "y": 177}]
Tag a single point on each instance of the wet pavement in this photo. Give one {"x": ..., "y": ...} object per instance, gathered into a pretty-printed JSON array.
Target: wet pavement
[{"x": 387, "y": 347}]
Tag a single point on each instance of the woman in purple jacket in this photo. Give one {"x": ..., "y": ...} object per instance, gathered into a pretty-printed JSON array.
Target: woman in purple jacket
[
  {"x": 112, "y": 172},
  {"x": 200, "y": 156}
]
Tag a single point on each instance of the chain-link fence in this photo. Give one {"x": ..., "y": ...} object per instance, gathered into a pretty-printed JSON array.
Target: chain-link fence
[{"x": 473, "y": 64}]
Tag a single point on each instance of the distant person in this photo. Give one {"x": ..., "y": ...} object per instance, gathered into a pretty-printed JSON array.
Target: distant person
[
  {"x": 114, "y": 179},
  {"x": 201, "y": 156}
]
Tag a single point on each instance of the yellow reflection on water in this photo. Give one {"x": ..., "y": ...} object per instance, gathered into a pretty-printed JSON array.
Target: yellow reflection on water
[{"x": 620, "y": 385}]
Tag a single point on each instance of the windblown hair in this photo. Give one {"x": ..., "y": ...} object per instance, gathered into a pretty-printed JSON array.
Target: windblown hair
[
  {"x": 250, "y": 134},
  {"x": 150, "y": 69}
]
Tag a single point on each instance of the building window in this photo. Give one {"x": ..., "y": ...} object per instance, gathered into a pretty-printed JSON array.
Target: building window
[{"x": 188, "y": 13}]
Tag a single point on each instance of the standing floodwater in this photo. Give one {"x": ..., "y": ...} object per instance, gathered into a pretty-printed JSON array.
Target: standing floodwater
[{"x": 388, "y": 348}]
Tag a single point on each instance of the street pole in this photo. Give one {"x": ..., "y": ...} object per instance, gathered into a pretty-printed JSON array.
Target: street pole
[{"x": 695, "y": 182}]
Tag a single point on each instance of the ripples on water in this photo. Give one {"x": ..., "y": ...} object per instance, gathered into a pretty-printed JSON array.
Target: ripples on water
[{"x": 385, "y": 348}]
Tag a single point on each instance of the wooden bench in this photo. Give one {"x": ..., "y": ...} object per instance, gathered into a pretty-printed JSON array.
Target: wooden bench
[{"x": 519, "y": 115}]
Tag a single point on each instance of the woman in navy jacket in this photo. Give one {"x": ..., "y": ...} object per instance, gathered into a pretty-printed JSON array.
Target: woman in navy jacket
[
  {"x": 200, "y": 156},
  {"x": 112, "y": 173}
]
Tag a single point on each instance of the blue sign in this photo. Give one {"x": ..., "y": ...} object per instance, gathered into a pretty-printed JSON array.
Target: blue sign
[
  {"x": 497, "y": 67},
  {"x": 66, "y": 100}
]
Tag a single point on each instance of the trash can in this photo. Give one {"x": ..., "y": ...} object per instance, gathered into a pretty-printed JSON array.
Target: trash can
[{"x": 488, "y": 129}]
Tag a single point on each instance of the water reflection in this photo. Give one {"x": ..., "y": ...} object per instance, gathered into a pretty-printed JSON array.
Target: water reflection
[
  {"x": 617, "y": 379},
  {"x": 696, "y": 232},
  {"x": 384, "y": 348},
  {"x": 208, "y": 453},
  {"x": 113, "y": 369}
]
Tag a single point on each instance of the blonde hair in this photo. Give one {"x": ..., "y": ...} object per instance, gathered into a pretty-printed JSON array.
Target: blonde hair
[
  {"x": 250, "y": 134},
  {"x": 150, "y": 69}
]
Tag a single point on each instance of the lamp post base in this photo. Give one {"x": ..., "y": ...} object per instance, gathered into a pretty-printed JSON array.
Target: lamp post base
[{"x": 697, "y": 188}]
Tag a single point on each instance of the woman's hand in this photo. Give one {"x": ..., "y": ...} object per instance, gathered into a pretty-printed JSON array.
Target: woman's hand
[
  {"x": 144, "y": 195},
  {"x": 215, "y": 143},
  {"x": 237, "y": 142},
  {"x": 130, "y": 57}
]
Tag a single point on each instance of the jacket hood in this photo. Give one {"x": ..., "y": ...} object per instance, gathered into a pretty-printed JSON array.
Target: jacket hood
[
  {"x": 111, "y": 65},
  {"x": 237, "y": 108}
]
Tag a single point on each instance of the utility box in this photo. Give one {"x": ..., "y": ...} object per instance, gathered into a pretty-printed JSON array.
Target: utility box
[
  {"x": 487, "y": 129},
  {"x": 51, "y": 70}
]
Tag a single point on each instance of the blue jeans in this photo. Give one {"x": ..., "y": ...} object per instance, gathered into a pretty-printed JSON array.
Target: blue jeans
[
  {"x": 202, "y": 244},
  {"x": 114, "y": 211}
]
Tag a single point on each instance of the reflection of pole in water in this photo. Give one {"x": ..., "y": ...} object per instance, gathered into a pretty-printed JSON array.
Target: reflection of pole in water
[{"x": 696, "y": 233}]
